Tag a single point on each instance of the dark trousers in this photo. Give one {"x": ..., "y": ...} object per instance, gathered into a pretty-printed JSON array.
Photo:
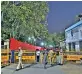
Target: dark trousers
[{"x": 37, "y": 58}]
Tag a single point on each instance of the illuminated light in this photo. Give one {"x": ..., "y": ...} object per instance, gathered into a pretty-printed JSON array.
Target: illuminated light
[
  {"x": 42, "y": 43},
  {"x": 29, "y": 38}
]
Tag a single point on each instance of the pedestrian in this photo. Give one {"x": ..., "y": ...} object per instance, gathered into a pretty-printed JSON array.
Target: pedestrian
[
  {"x": 41, "y": 57},
  {"x": 81, "y": 60},
  {"x": 57, "y": 55},
  {"x": 20, "y": 65},
  {"x": 37, "y": 55},
  {"x": 51, "y": 56},
  {"x": 45, "y": 55},
  {"x": 61, "y": 56}
]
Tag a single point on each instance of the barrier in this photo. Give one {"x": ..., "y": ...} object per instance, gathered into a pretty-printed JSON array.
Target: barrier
[
  {"x": 28, "y": 57},
  {"x": 72, "y": 56},
  {"x": 5, "y": 55}
]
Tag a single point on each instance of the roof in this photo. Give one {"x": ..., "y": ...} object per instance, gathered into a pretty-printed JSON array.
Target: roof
[{"x": 74, "y": 25}]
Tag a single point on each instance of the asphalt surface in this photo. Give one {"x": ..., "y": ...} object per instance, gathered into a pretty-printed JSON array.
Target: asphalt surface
[{"x": 32, "y": 69}]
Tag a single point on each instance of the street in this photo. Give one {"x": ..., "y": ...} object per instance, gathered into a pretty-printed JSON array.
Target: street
[
  {"x": 39, "y": 33},
  {"x": 33, "y": 69}
]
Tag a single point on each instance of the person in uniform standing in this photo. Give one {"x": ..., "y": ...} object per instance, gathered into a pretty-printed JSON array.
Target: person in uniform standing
[
  {"x": 20, "y": 65},
  {"x": 45, "y": 55},
  {"x": 57, "y": 55},
  {"x": 61, "y": 56},
  {"x": 51, "y": 56},
  {"x": 41, "y": 56}
]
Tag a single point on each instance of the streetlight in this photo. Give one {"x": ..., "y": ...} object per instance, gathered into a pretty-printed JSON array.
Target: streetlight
[
  {"x": 42, "y": 44},
  {"x": 32, "y": 40},
  {"x": 29, "y": 38}
]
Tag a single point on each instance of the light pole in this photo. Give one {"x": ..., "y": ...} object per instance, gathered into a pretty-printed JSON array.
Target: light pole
[{"x": 29, "y": 39}]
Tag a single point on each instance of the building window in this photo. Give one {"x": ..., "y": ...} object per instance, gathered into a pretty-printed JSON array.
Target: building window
[
  {"x": 81, "y": 33},
  {"x": 80, "y": 43},
  {"x": 71, "y": 32},
  {"x": 69, "y": 46}
]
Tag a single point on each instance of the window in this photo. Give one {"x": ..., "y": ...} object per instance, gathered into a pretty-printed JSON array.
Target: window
[
  {"x": 81, "y": 33},
  {"x": 71, "y": 32}
]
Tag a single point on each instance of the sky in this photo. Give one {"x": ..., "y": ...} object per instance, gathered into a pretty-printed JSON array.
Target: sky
[{"x": 61, "y": 13}]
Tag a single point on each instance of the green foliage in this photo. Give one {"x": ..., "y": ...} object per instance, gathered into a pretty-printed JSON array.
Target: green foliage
[
  {"x": 21, "y": 19},
  {"x": 55, "y": 38}
]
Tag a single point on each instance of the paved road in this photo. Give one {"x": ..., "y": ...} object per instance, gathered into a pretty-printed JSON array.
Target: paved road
[{"x": 33, "y": 69}]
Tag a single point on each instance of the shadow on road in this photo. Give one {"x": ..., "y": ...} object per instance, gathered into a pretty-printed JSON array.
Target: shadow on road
[
  {"x": 26, "y": 66},
  {"x": 29, "y": 65},
  {"x": 51, "y": 66},
  {"x": 42, "y": 67}
]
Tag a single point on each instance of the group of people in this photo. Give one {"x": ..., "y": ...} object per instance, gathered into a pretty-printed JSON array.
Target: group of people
[
  {"x": 42, "y": 56},
  {"x": 47, "y": 55}
]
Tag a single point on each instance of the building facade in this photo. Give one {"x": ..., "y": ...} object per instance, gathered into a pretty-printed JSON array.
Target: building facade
[{"x": 73, "y": 35}]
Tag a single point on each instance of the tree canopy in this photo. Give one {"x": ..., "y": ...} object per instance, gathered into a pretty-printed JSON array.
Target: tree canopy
[
  {"x": 21, "y": 19},
  {"x": 24, "y": 19}
]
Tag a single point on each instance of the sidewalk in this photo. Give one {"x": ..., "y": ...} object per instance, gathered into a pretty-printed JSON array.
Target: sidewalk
[{"x": 33, "y": 69}]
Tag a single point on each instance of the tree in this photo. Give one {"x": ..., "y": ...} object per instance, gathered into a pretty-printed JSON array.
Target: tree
[
  {"x": 22, "y": 19},
  {"x": 55, "y": 38}
]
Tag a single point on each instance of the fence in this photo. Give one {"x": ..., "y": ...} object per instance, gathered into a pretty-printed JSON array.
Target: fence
[
  {"x": 72, "y": 56},
  {"x": 28, "y": 57},
  {"x": 5, "y": 57}
]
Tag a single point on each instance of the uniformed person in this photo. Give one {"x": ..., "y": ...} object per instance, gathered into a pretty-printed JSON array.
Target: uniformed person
[
  {"x": 51, "y": 56},
  {"x": 60, "y": 57},
  {"x": 20, "y": 65},
  {"x": 81, "y": 60},
  {"x": 45, "y": 55},
  {"x": 57, "y": 55},
  {"x": 41, "y": 57}
]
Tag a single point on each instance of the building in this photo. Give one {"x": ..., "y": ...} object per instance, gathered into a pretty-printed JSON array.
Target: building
[{"x": 73, "y": 35}]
